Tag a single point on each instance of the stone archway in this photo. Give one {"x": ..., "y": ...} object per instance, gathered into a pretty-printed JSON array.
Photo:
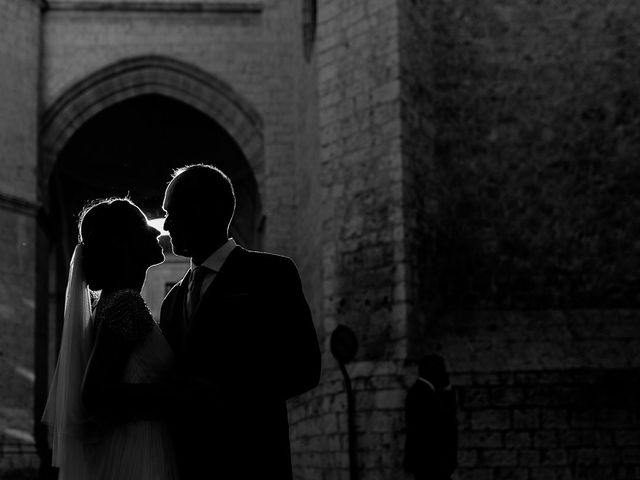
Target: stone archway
[
  {"x": 88, "y": 99},
  {"x": 150, "y": 75}
]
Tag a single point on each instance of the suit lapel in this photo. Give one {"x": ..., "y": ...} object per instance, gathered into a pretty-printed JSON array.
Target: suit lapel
[
  {"x": 221, "y": 285},
  {"x": 174, "y": 330}
]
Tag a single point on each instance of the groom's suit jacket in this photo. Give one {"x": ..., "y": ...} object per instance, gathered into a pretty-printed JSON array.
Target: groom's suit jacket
[{"x": 251, "y": 337}]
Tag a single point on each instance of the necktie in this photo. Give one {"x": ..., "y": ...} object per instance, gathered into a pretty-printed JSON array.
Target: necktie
[{"x": 198, "y": 276}]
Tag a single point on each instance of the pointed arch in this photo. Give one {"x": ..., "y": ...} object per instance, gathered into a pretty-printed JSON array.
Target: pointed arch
[
  {"x": 111, "y": 85},
  {"x": 150, "y": 75}
]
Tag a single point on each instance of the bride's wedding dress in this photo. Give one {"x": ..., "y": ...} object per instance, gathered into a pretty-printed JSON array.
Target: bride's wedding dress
[
  {"x": 134, "y": 449},
  {"x": 85, "y": 446}
]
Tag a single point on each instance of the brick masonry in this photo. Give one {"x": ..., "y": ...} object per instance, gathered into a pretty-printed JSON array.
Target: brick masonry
[
  {"x": 361, "y": 241},
  {"x": 549, "y": 424},
  {"x": 19, "y": 43},
  {"x": 307, "y": 447},
  {"x": 445, "y": 101},
  {"x": 543, "y": 394},
  {"x": 534, "y": 142},
  {"x": 360, "y": 158},
  {"x": 536, "y": 320},
  {"x": 17, "y": 309},
  {"x": 320, "y": 446}
]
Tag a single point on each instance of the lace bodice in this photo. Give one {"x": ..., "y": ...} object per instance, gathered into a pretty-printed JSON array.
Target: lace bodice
[{"x": 126, "y": 314}]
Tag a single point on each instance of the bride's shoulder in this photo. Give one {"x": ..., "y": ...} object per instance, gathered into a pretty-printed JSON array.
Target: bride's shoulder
[{"x": 125, "y": 313}]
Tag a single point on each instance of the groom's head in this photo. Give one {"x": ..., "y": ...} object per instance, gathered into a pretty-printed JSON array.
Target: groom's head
[{"x": 199, "y": 203}]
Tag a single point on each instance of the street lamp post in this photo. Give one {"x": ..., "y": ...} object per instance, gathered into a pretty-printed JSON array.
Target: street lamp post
[{"x": 344, "y": 346}]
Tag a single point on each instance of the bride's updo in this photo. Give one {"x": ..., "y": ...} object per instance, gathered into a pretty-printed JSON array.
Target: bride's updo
[{"x": 107, "y": 228}]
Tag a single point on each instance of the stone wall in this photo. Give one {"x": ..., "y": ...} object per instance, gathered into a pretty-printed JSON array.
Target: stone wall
[
  {"x": 308, "y": 223},
  {"x": 17, "y": 356},
  {"x": 554, "y": 424},
  {"x": 19, "y": 43},
  {"x": 418, "y": 170},
  {"x": 535, "y": 147},
  {"x": 308, "y": 172},
  {"x": 362, "y": 240},
  {"x": 247, "y": 48},
  {"x": 453, "y": 177},
  {"x": 361, "y": 173},
  {"x": 321, "y": 449},
  {"x": 544, "y": 394},
  {"x": 278, "y": 108},
  {"x": 531, "y": 288},
  {"x": 517, "y": 193}
]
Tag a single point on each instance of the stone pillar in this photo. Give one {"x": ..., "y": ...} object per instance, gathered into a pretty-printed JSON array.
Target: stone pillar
[
  {"x": 420, "y": 203},
  {"x": 19, "y": 47},
  {"x": 363, "y": 240}
]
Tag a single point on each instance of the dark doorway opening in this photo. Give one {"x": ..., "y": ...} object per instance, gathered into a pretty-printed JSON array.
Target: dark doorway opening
[{"x": 130, "y": 149}]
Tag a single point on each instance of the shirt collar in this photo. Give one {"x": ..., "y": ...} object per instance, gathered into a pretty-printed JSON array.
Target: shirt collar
[
  {"x": 420, "y": 379},
  {"x": 216, "y": 259}
]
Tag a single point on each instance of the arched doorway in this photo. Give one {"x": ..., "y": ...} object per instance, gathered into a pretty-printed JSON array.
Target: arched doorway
[
  {"x": 131, "y": 148},
  {"x": 121, "y": 132}
]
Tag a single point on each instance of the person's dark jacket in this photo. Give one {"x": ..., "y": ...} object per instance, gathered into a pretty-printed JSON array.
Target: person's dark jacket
[
  {"x": 252, "y": 345},
  {"x": 431, "y": 432}
]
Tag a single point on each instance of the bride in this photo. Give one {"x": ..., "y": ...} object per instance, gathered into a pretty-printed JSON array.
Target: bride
[{"x": 114, "y": 366}]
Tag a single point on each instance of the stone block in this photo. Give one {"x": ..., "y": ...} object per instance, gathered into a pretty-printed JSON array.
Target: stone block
[
  {"x": 499, "y": 458},
  {"x": 389, "y": 399},
  {"x": 528, "y": 457},
  {"x": 486, "y": 439},
  {"x": 542, "y": 474},
  {"x": 507, "y": 396},
  {"x": 528, "y": 418},
  {"x": 473, "y": 397},
  {"x": 517, "y": 439},
  {"x": 490, "y": 419},
  {"x": 631, "y": 456},
  {"x": 627, "y": 438},
  {"x": 510, "y": 473},
  {"x": 583, "y": 418},
  {"x": 474, "y": 474},
  {"x": 467, "y": 458},
  {"x": 554, "y": 457},
  {"x": 557, "y": 419},
  {"x": 545, "y": 439}
]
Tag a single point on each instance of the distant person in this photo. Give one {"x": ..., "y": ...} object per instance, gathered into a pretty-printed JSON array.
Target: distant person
[
  {"x": 431, "y": 425},
  {"x": 114, "y": 360},
  {"x": 239, "y": 324}
]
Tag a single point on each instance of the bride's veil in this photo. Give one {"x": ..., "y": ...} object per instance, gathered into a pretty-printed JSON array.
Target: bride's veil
[{"x": 64, "y": 412}]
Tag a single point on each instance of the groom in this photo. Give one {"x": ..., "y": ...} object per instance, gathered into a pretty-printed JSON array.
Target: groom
[{"x": 243, "y": 336}]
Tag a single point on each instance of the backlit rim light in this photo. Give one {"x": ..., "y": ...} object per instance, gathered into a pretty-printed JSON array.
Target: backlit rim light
[{"x": 158, "y": 223}]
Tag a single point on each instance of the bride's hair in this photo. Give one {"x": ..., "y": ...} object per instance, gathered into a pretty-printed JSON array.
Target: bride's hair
[{"x": 105, "y": 228}]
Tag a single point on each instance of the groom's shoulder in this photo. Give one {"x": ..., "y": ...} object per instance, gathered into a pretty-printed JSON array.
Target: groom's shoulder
[
  {"x": 268, "y": 260},
  {"x": 173, "y": 291}
]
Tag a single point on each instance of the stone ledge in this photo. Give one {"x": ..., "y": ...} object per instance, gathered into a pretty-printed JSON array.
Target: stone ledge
[
  {"x": 170, "y": 6},
  {"x": 18, "y": 205}
]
